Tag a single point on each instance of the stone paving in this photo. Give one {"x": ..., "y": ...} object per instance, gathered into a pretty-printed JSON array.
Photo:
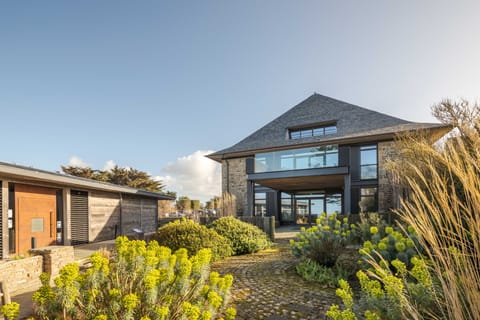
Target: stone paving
[{"x": 266, "y": 286}]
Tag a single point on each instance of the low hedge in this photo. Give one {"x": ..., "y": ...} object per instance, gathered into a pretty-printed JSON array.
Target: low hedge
[
  {"x": 243, "y": 237},
  {"x": 193, "y": 237}
]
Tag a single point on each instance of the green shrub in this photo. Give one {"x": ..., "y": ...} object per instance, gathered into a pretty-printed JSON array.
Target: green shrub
[
  {"x": 140, "y": 282},
  {"x": 324, "y": 242},
  {"x": 243, "y": 237},
  {"x": 385, "y": 293},
  {"x": 193, "y": 237},
  {"x": 395, "y": 245},
  {"x": 361, "y": 231},
  {"x": 312, "y": 271},
  {"x": 10, "y": 311}
]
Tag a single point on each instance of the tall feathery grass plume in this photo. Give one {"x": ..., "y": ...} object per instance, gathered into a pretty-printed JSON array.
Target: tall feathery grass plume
[{"x": 443, "y": 207}]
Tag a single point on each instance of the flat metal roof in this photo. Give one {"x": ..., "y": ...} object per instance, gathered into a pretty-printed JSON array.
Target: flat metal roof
[{"x": 33, "y": 174}]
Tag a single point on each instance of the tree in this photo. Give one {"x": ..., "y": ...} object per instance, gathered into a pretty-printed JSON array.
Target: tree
[
  {"x": 184, "y": 204},
  {"x": 122, "y": 176},
  {"x": 195, "y": 205},
  {"x": 83, "y": 172},
  {"x": 210, "y": 205},
  {"x": 167, "y": 206},
  {"x": 226, "y": 205}
]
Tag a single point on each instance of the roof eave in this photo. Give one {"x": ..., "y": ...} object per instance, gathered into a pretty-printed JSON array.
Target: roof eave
[
  {"x": 40, "y": 176},
  {"x": 440, "y": 130}
]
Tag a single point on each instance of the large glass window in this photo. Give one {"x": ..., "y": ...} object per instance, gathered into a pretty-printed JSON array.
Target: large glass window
[
  {"x": 260, "y": 203},
  {"x": 368, "y": 162},
  {"x": 312, "y": 132},
  {"x": 333, "y": 203},
  {"x": 295, "y": 159},
  {"x": 286, "y": 206},
  {"x": 368, "y": 200}
]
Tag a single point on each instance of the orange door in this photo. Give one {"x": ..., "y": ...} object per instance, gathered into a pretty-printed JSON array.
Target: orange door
[{"x": 36, "y": 215}]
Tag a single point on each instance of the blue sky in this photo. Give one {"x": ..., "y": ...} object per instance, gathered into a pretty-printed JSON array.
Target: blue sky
[{"x": 155, "y": 84}]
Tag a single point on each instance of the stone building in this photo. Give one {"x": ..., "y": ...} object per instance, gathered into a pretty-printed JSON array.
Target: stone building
[
  {"x": 323, "y": 155},
  {"x": 40, "y": 208}
]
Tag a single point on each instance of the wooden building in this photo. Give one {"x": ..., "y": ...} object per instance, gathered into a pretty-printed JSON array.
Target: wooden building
[{"x": 40, "y": 208}]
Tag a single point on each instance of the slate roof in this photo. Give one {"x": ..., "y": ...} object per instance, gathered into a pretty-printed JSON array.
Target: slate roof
[{"x": 353, "y": 122}]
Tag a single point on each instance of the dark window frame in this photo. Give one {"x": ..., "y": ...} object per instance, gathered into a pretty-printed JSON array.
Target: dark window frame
[
  {"x": 373, "y": 196},
  {"x": 309, "y": 132},
  {"x": 366, "y": 165}
]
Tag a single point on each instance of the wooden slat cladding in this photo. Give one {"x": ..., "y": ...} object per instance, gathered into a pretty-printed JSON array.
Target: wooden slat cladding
[
  {"x": 1, "y": 221},
  {"x": 79, "y": 217},
  {"x": 149, "y": 215},
  {"x": 104, "y": 215},
  {"x": 140, "y": 213}
]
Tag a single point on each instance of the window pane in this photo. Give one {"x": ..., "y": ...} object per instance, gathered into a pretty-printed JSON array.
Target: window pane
[
  {"x": 318, "y": 132},
  {"x": 368, "y": 172},
  {"x": 368, "y": 200},
  {"x": 330, "y": 130},
  {"x": 306, "y": 133},
  {"x": 305, "y": 158},
  {"x": 312, "y": 132},
  {"x": 260, "y": 203},
  {"x": 286, "y": 162},
  {"x": 368, "y": 156},
  {"x": 301, "y": 161},
  {"x": 332, "y": 160},
  {"x": 260, "y": 163},
  {"x": 295, "y": 135},
  {"x": 334, "y": 203},
  {"x": 317, "y": 161}
]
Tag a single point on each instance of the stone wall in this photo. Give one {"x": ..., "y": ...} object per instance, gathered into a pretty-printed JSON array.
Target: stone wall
[
  {"x": 234, "y": 181},
  {"x": 55, "y": 258},
  {"x": 386, "y": 194},
  {"x": 21, "y": 273}
]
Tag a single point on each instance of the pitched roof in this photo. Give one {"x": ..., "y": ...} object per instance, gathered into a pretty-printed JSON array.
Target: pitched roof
[
  {"x": 28, "y": 173},
  {"x": 353, "y": 122}
]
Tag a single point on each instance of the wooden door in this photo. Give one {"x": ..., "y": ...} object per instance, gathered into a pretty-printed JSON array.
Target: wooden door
[{"x": 36, "y": 213}]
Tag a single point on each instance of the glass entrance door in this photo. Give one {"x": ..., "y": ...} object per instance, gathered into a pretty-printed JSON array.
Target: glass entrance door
[
  {"x": 316, "y": 209},
  {"x": 309, "y": 207}
]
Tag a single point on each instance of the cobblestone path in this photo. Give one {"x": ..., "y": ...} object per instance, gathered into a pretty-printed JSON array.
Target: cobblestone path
[{"x": 266, "y": 286}]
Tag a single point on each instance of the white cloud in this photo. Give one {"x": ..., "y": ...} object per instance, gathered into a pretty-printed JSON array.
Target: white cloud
[
  {"x": 109, "y": 165},
  {"x": 194, "y": 176},
  {"x": 77, "y": 162}
]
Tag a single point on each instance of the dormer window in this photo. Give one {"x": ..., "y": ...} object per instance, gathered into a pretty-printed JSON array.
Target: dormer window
[{"x": 315, "y": 131}]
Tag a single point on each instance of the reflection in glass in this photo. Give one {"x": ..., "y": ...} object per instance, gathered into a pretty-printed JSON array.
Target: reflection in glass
[
  {"x": 295, "y": 159},
  {"x": 368, "y": 200},
  {"x": 334, "y": 203},
  {"x": 260, "y": 203},
  {"x": 368, "y": 162},
  {"x": 286, "y": 208}
]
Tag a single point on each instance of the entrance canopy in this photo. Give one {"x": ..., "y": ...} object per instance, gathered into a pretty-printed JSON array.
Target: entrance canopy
[{"x": 302, "y": 180}]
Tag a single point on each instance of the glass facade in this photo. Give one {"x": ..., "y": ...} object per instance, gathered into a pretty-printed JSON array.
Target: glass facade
[
  {"x": 310, "y": 206},
  {"x": 286, "y": 208},
  {"x": 333, "y": 203},
  {"x": 368, "y": 162},
  {"x": 295, "y": 159},
  {"x": 260, "y": 203}
]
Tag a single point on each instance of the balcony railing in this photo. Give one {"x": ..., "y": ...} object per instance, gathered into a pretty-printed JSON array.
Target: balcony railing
[{"x": 296, "y": 159}]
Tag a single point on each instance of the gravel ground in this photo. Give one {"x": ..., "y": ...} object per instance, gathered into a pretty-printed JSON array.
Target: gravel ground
[{"x": 266, "y": 286}]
